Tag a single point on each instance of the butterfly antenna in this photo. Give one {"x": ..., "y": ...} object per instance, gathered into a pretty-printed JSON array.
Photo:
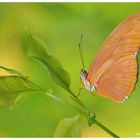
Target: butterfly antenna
[{"x": 81, "y": 51}]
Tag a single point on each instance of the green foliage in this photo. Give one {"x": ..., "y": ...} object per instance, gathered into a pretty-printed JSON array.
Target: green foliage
[
  {"x": 12, "y": 87},
  {"x": 68, "y": 127},
  {"x": 11, "y": 71},
  {"x": 36, "y": 50}
]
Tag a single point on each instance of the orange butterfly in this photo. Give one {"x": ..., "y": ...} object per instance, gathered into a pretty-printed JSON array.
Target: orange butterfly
[{"x": 113, "y": 73}]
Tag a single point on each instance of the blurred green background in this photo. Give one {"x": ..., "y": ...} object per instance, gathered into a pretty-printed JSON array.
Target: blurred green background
[{"x": 60, "y": 25}]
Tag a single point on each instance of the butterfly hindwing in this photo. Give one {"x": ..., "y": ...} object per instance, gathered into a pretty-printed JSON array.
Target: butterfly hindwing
[{"x": 119, "y": 80}]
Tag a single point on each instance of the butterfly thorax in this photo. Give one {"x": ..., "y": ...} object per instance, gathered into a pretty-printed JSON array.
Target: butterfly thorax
[{"x": 86, "y": 82}]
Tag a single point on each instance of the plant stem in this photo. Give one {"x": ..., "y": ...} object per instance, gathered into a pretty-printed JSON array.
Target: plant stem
[
  {"x": 76, "y": 99},
  {"x": 84, "y": 113},
  {"x": 106, "y": 129},
  {"x": 65, "y": 103}
]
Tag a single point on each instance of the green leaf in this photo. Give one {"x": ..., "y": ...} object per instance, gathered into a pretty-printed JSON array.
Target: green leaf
[
  {"x": 36, "y": 50},
  {"x": 91, "y": 118},
  {"x": 11, "y": 71},
  {"x": 68, "y": 127},
  {"x": 12, "y": 87}
]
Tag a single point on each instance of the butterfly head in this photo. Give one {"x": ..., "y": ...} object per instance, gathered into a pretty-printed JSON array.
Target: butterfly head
[
  {"x": 83, "y": 74},
  {"x": 86, "y": 83}
]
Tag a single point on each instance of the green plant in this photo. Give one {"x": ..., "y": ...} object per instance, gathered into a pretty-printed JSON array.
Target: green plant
[{"x": 12, "y": 86}]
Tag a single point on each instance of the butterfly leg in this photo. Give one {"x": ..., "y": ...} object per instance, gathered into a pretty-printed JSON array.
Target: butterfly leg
[
  {"x": 94, "y": 102},
  {"x": 79, "y": 91}
]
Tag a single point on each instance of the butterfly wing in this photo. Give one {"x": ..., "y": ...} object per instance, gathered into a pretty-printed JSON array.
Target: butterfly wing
[
  {"x": 121, "y": 46},
  {"x": 124, "y": 40},
  {"x": 118, "y": 81}
]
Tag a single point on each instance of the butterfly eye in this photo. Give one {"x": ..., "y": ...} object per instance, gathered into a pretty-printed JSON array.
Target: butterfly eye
[{"x": 83, "y": 74}]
